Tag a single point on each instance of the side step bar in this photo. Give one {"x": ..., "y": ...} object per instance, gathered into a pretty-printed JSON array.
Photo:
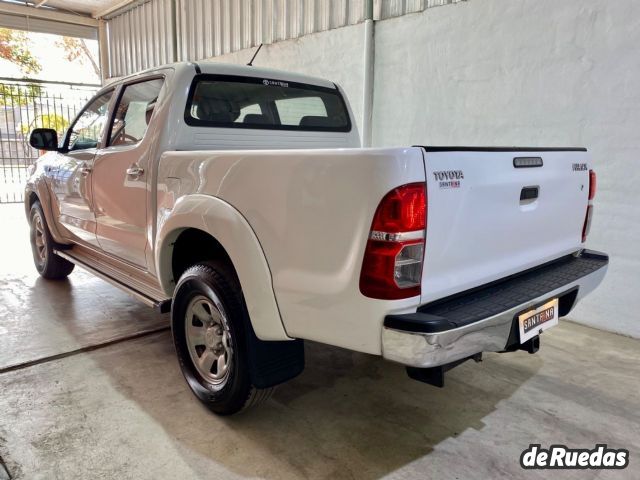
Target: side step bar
[{"x": 147, "y": 294}]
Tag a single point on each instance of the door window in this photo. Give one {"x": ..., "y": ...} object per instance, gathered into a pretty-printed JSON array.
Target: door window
[
  {"x": 88, "y": 129},
  {"x": 134, "y": 112}
]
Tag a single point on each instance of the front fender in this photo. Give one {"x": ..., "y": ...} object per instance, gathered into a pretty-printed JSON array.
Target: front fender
[
  {"x": 37, "y": 185},
  {"x": 223, "y": 222}
]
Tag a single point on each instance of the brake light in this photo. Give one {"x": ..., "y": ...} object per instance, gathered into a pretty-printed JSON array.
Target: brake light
[
  {"x": 592, "y": 184},
  {"x": 392, "y": 264},
  {"x": 586, "y": 226}
]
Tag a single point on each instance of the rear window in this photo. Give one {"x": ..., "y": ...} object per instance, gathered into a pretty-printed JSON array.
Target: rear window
[{"x": 242, "y": 102}]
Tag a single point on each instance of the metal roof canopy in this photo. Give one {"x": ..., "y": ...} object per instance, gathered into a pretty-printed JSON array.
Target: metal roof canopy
[{"x": 47, "y": 20}]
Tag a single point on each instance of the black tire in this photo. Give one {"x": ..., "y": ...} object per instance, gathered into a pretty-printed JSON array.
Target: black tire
[
  {"x": 48, "y": 264},
  {"x": 216, "y": 283}
]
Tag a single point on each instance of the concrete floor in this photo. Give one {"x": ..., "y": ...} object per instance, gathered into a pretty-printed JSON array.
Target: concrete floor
[{"x": 124, "y": 411}]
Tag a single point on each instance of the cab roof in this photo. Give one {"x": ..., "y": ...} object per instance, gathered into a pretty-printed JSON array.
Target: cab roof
[{"x": 210, "y": 67}]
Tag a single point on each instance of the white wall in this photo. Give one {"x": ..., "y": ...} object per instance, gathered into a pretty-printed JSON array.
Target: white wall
[
  {"x": 510, "y": 72},
  {"x": 530, "y": 73},
  {"x": 336, "y": 55}
]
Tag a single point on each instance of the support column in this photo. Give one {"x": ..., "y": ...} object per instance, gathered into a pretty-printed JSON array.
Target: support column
[
  {"x": 369, "y": 59},
  {"x": 103, "y": 48}
]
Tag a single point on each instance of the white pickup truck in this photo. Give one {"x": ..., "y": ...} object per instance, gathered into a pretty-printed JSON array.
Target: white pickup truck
[{"x": 239, "y": 198}]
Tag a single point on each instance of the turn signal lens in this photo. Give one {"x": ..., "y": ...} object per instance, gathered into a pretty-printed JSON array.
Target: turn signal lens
[{"x": 392, "y": 264}]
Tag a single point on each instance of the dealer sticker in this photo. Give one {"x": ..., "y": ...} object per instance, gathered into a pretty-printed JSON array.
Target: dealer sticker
[{"x": 535, "y": 321}]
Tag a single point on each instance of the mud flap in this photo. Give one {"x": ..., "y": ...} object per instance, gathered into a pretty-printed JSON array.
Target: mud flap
[{"x": 273, "y": 362}]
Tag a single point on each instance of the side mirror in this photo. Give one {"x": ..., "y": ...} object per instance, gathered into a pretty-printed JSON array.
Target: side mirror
[{"x": 44, "y": 139}]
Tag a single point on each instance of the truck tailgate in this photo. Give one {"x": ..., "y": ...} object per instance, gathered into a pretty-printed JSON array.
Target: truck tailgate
[{"x": 493, "y": 212}]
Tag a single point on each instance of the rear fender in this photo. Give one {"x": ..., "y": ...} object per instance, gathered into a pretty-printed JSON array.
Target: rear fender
[{"x": 223, "y": 222}]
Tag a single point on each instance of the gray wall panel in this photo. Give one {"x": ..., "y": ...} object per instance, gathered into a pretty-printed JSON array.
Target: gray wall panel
[{"x": 142, "y": 36}]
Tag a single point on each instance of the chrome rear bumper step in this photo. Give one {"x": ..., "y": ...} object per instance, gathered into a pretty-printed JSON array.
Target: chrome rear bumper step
[{"x": 482, "y": 320}]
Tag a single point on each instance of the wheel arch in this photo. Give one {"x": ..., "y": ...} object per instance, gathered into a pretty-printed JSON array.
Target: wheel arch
[
  {"x": 192, "y": 246},
  {"x": 31, "y": 197},
  {"x": 212, "y": 228},
  {"x": 38, "y": 191}
]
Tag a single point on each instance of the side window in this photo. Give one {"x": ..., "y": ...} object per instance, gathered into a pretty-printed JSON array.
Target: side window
[
  {"x": 291, "y": 110},
  {"x": 87, "y": 131},
  {"x": 133, "y": 112}
]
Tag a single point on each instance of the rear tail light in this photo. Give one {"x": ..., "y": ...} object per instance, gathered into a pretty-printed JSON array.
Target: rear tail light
[
  {"x": 392, "y": 264},
  {"x": 587, "y": 218},
  {"x": 587, "y": 223},
  {"x": 592, "y": 184}
]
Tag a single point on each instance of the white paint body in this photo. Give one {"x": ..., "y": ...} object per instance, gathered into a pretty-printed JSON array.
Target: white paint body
[
  {"x": 482, "y": 232},
  {"x": 294, "y": 209}
]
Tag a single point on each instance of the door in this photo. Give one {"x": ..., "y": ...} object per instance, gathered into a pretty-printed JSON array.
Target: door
[
  {"x": 71, "y": 172},
  {"x": 121, "y": 172}
]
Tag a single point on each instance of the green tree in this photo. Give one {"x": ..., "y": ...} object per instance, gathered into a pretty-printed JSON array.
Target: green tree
[
  {"x": 19, "y": 95},
  {"x": 14, "y": 46}
]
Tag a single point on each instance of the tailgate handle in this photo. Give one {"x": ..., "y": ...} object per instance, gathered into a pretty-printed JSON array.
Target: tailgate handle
[{"x": 529, "y": 193}]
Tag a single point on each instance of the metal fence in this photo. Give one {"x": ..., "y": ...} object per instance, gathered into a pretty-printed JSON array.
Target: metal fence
[{"x": 25, "y": 105}]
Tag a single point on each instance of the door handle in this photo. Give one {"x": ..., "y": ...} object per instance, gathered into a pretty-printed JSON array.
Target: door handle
[
  {"x": 529, "y": 193},
  {"x": 85, "y": 170},
  {"x": 135, "y": 171}
]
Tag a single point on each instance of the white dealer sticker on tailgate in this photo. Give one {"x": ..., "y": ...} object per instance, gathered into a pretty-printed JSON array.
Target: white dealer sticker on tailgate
[{"x": 535, "y": 321}]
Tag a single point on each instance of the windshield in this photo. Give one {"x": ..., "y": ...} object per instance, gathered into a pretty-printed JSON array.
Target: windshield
[{"x": 244, "y": 102}]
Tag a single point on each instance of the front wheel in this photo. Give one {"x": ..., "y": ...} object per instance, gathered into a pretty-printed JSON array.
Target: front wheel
[
  {"x": 208, "y": 324},
  {"x": 48, "y": 264}
]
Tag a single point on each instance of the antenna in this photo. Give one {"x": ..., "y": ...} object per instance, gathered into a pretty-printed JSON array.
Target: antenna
[{"x": 250, "y": 64}]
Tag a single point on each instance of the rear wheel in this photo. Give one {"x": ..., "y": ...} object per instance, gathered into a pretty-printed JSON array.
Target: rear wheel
[
  {"x": 48, "y": 264},
  {"x": 209, "y": 321}
]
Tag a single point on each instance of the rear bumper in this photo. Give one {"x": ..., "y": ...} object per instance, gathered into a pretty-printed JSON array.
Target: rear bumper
[{"x": 481, "y": 320}]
